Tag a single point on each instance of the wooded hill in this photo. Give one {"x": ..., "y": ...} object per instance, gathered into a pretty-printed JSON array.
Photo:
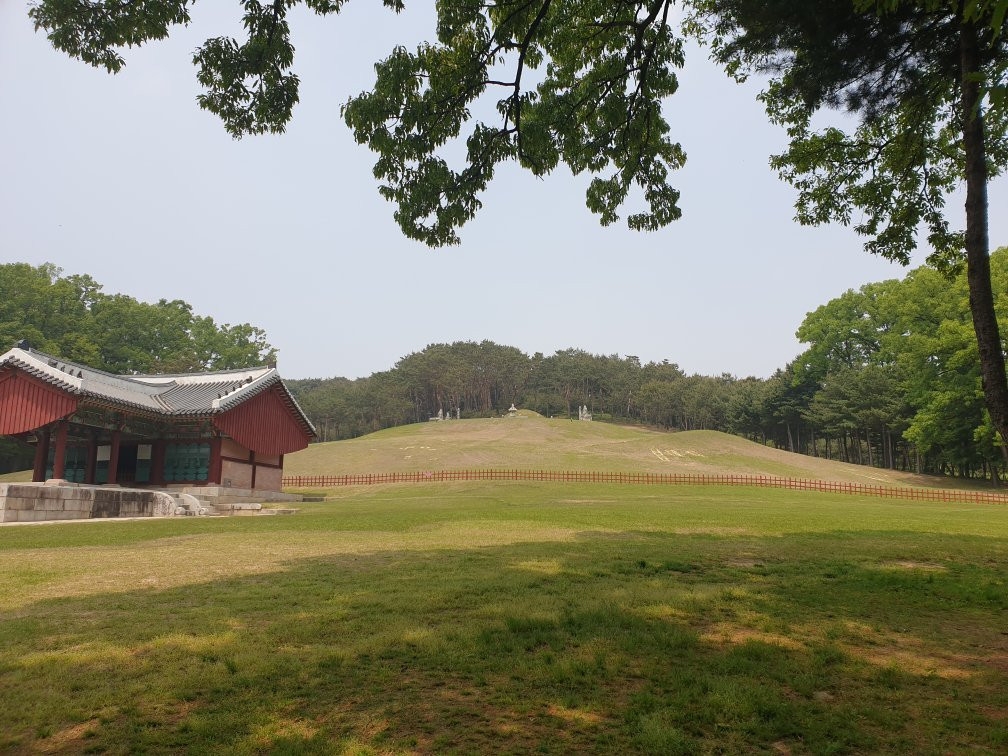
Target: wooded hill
[{"x": 890, "y": 378}]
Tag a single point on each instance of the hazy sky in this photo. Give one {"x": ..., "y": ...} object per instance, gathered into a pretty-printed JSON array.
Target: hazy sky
[{"x": 125, "y": 178}]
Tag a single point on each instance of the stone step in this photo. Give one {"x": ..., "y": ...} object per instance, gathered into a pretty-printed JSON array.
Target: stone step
[
  {"x": 224, "y": 493},
  {"x": 240, "y": 507},
  {"x": 202, "y": 506},
  {"x": 190, "y": 506}
]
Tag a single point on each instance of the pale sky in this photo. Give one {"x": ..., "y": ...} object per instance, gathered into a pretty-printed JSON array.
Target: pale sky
[{"x": 125, "y": 178}]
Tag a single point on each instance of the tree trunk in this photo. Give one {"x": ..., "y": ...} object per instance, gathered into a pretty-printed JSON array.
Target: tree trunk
[
  {"x": 790, "y": 441},
  {"x": 981, "y": 298},
  {"x": 867, "y": 437}
]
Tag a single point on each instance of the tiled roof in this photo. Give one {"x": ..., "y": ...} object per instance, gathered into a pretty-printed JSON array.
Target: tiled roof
[{"x": 183, "y": 394}]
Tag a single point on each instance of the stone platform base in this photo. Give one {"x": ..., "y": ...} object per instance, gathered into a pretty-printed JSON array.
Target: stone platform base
[
  {"x": 59, "y": 500},
  {"x": 37, "y": 502}
]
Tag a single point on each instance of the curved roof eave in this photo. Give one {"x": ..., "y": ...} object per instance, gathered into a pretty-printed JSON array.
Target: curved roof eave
[{"x": 233, "y": 387}]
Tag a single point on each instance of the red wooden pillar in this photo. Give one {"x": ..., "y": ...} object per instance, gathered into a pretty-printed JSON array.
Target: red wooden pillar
[
  {"x": 252, "y": 460},
  {"x": 113, "y": 463},
  {"x": 157, "y": 462},
  {"x": 92, "y": 460},
  {"x": 59, "y": 453},
  {"x": 216, "y": 463},
  {"x": 41, "y": 456}
]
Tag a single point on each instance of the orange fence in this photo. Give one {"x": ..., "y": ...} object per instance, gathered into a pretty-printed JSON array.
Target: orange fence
[{"x": 631, "y": 478}]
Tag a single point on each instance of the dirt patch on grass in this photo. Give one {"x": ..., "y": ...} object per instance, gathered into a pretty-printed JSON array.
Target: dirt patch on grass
[
  {"x": 66, "y": 740},
  {"x": 282, "y": 728},
  {"x": 909, "y": 564},
  {"x": 575, "y": 716},
  {"x": 727, "y": 633},
  {"x": 542, "y": 566},
  {"x": 744, "y": 564},
  {"x": 893, "y": 651},
  {"x": 907, "y": 653},
  {"x": 995, "y": 713},
  {"x": 719, "y": 531},
  {"x": 915, "y": 662}
]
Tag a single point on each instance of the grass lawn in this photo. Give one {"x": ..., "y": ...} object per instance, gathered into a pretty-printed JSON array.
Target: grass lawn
[{"x": 514, "y": 617}]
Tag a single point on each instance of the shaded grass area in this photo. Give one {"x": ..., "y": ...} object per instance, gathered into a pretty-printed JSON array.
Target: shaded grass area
[{"x": 514, "y": 617}]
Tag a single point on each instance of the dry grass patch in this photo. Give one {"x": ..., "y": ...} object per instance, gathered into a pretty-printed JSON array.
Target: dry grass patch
[
  {"x": 910, "y": 564},
  {"x": 575, "y": 716},
  {"x": 67, "y": 740}
]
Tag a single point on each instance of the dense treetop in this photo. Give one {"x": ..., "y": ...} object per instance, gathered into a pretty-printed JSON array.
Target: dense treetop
[{"x": 71, "y": 317}]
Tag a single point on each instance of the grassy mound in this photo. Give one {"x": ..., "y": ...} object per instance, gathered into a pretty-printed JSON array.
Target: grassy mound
[{"x": 535, "y": 442}]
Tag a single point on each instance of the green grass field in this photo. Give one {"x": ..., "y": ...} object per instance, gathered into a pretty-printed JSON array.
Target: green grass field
[
  {"x": 534, "y": 442},
  {"x": 514, "y": 618}
]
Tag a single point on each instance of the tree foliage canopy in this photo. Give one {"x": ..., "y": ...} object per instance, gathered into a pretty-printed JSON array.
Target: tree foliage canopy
[
  {"x": 582, "y": 82},
  {"x": 539, "y": 82},
  {"x": 71, "y": 317},
  {"x": 898, "y": 72}
]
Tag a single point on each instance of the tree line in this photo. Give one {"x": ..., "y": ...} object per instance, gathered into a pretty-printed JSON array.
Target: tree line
[
  {"x": 890, "y": 378},
  {"x": 69, "y": 316}
]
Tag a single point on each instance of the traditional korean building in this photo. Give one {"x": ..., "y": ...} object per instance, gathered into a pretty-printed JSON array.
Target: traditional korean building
[{"x": 224, "y": 428}]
